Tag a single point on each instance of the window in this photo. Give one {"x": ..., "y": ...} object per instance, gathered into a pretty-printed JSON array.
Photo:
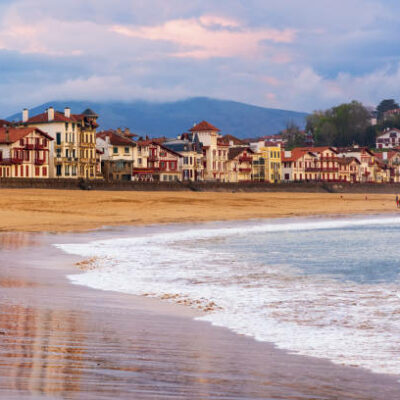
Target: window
[
  {"x": 139, "y": 161},
  {"x": 67, "y": 170},
  {"x": 58, "y": 170},
  {"x": 186, "y": 160},
  {"x": 115, "y": 150},
  {"x": 162, "y": 164},
  {"x": 126, "y": 149},
  {"x": 37, "y": 171},
  {"x": 58, "y": 138}
]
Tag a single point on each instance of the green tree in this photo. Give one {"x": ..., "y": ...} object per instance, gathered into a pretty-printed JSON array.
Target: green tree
[
  {"x": 340, "y": 126},
  {"x": 386, "y": 105}
]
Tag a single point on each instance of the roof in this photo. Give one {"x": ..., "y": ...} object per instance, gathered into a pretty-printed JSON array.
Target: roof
[
  {"x": 235, "y": 151},
  {"x": 12, "y": 135},
  {"x": 60, "y": 117},
  {"x": 388, "y": 131},
  {"x": 319, "y": 149},
  {"x": 204, "y": 126},
  {"x": 348, "y": 160},
  {"x": 3, "y": 122},
  {"x": 148, "y": 142},
  {"x": 230, "y": 138},
  {"x": 115, "y": 138},
  {"x": 296, "y": 153}
]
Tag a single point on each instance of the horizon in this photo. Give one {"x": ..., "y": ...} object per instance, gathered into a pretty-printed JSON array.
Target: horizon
[{"x": 259, "y": 54}]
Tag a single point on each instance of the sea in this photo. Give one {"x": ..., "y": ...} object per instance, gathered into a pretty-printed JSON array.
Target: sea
[{"x": 320, "y": 287}]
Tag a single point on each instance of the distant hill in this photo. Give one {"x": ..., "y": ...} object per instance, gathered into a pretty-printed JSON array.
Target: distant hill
[{"x": 173, "y": 118}]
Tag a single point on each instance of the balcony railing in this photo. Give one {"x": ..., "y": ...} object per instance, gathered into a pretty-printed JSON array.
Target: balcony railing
[
  {"x": 29, "y": 146},
  {"x": 16, "y": 160},
  {"x": 245, "y": 159},
  {"x": 153, "y": 158},
  {"x": 244, "y": 169},
  {"x": 39, "y": 161},
  {"x": 39, "y": 146}
]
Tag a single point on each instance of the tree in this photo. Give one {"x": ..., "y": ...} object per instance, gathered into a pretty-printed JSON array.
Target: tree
[
  {"x": 294, "y": 136},
  {"x": 386, "y": 105},
  {"x": 340, "y": 126}
]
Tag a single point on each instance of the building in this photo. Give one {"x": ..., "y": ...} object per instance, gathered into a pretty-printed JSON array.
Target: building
[
  {"x": 300, "y": 165},
  {"x": 326, "y": 167},
  {"x": 73, "y": 151},
  {"x": 190, "y": 148},
  {"x": 117, "y": 154},
  {"x": 349, "y": 169},
  {"x": 389, "y": 139},
  {"x": 272, "y": 163},
  {"x": 24, "y": 153},
  {"x": 155, "y": 162},
  {"x": 215, "y": 151},
  {"x": 239, "y": 167}
]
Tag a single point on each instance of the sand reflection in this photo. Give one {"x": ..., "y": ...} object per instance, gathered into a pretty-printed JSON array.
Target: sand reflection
[
  {"x": 16, "y": 240},
  {"x": 41, "y": 350}
]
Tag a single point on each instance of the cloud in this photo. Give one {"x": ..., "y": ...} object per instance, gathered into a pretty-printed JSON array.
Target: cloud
[
  {"x": 209, "y": 36},
  {"x": 300, "y": 55}
]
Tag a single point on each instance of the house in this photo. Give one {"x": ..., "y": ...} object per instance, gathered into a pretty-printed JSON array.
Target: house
[
  {"x": 215, "y": 151},
  {"x": 349, "y": 169},
  {"x": 73, "y": 151},
  {"x": 232, "y": 141},
  {"x": 156, "y": 162},
  {"x": 272, "y": 163},
  {"x": 326, "y": 166},
  {"x": 190, "y": 148},
  {"x": 116, "y": 155},
  {"x": 389, "y": 139},
  {"x": 300, "y": 165},
  {"x": 239, "y": 166},
  {"x": 24, "y": 152}
]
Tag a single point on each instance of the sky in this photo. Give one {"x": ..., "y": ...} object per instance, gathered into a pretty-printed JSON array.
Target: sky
[{"x": 301, "y": 55}]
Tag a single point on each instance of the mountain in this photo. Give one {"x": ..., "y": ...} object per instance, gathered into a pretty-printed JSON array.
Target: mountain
[{"x": 173, "y": 118}]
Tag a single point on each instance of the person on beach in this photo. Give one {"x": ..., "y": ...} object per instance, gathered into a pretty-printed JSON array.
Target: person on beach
[{"x": 397, "y": 200}]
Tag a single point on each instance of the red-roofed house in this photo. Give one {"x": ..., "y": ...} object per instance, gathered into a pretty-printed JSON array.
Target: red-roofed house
[
  {"x": 215, "y": 151},
  {"x": 24, "y": 153},
  {"x": 155, "y": 162},
  {"x": 389, "y": 139},
  {"x": 300, "y": 165}
]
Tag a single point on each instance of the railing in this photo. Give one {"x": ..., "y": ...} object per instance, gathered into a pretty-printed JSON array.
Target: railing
[
  {"x": 29, "y": 146},
  {"x": 153, "y": 158},
  {"x": 244, "y": 169},
  {"x": 329, "y": 169},
  {"x": 39, "y": 146},
  {"x": 16, "y": 160},
  {"x": 39, "y": 161},
  {"x": 312, "y": 169},
  {"x": 245, "y": 159}
]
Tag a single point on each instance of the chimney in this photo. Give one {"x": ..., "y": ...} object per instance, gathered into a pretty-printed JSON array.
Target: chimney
[
  {"x": 385, "y": 155},
  {"x": 25, "y": 115},
  {"x": 50, "y": 114},
  {"x": 7, "y": 134},
  {"x": 67, "y": 112}
]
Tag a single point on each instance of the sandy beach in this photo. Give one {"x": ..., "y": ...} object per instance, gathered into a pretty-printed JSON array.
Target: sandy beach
[
  {"x": 64, "y": 341},
  {"x": 35, "y": 210}
]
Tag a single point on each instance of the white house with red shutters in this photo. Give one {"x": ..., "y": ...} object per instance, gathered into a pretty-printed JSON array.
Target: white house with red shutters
[
  {"x": 24, "y": 153},
  {"x": 389, "y": 139},
  {"x": 155, "y": 162}
]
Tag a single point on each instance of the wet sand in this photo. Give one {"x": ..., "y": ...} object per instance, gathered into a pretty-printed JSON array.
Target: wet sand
[
  {"x": 63, "y": 341},
  {"x": 34, "y": 210}
]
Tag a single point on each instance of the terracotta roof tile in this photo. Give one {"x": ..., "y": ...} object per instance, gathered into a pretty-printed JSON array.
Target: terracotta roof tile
[
  {"x": 12, "y": 135},
  {"x": 204, "y": 126}
]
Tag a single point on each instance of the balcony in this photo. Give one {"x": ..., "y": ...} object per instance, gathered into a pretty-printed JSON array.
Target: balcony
[
  {"x": 153, "y": 158},
  {"x": 329, "y": 169},
  {"x": 16, "y": 160},
  {"x": 245, "y": 159},
  {"x": 244, "y": 169},
  {"x": 39, "y": 146},
  {"x": 39, "y": 161},
  {"x": 312, "y": 169},
  {"x": 29, "y": 146}
]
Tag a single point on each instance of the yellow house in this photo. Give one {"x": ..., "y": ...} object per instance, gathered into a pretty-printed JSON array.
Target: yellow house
[{"x": 272, "y": 163}]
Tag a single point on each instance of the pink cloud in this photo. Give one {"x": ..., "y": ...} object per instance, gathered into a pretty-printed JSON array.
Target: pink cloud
[{"x": 197, "y": 39}]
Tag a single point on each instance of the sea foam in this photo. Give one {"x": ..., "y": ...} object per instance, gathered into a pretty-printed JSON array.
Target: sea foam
[{"x": 310, "y": 314}]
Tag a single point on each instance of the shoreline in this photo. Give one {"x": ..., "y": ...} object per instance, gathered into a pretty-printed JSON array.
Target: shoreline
[
  {"x": 38, "y": 210},
  {"x": 164, "y": 332}
]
